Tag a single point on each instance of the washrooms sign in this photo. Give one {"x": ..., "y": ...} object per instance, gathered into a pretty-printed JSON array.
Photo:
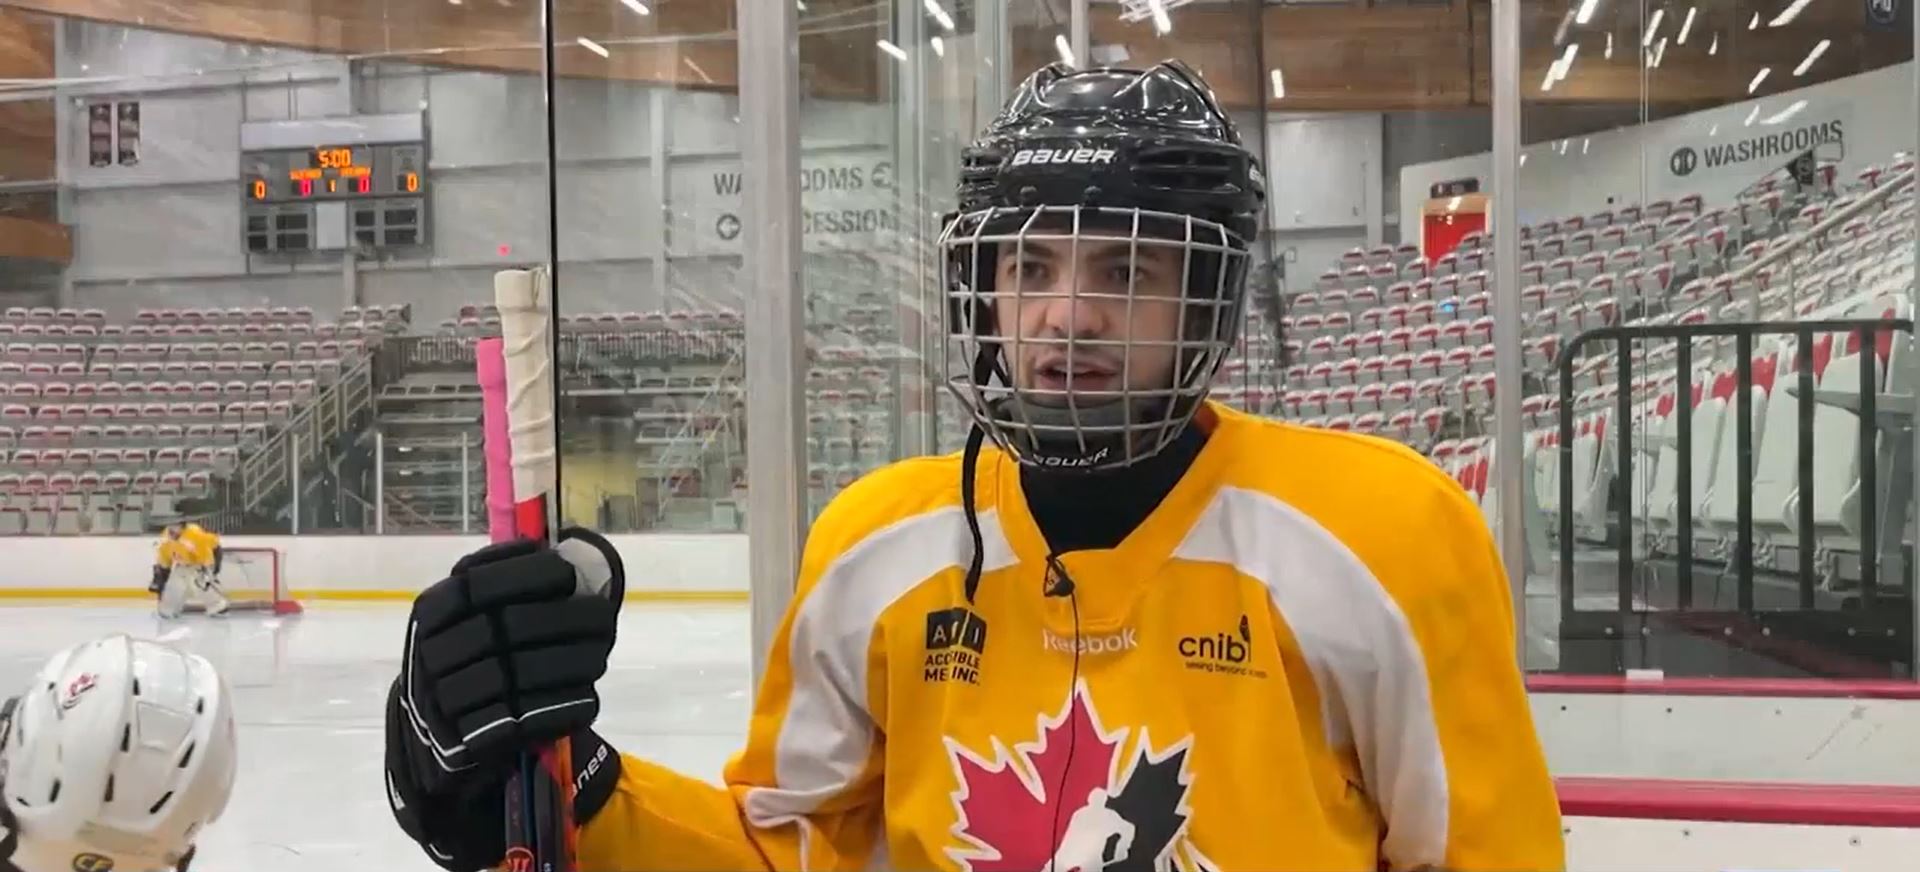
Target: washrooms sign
[{"x": 1749, "y": 141}]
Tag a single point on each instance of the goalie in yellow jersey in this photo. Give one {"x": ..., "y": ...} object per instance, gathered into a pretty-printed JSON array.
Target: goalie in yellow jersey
[{"x": 187, "y": 561}]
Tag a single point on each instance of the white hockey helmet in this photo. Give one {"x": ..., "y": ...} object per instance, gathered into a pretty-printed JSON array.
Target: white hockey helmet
[{"x": 115, "y": 758}]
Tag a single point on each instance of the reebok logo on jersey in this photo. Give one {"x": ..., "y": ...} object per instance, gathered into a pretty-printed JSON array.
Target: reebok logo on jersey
[
  {"x": 955, "y": 640},
  {"x": 1112, "y": 643},
  {"x": 1229, "y": 653},
  {"x": 1037, "y": 156}
]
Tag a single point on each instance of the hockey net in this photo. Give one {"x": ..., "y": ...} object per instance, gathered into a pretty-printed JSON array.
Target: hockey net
[{"x": 254, "y": 579}]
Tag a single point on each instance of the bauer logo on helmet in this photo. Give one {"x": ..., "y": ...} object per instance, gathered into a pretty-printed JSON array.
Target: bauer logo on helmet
[{"x": 1061, "y": 156}]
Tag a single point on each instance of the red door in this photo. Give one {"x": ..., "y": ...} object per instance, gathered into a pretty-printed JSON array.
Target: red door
[{"x": 1444, "y": 230}]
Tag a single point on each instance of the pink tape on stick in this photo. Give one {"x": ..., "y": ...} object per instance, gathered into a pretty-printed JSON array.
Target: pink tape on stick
[{"x": 490, "y": 365}]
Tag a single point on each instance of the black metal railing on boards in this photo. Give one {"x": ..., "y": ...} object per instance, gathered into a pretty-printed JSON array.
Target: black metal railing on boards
[
  {"x": 1866, "y": 627},
  {"x": 655, "y": 348}
]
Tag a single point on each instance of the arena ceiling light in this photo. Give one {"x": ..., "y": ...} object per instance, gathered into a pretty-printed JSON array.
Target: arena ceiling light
[
  {"x": 940, "y": 15},
  {"x": 1783, "y": 115},
  {"x": 1658, "y": 54},
  {"x": 1819, "y": 48},
  {"x": 638, "y": 7},
  {"x": 1141, "y": 10},
  {"x": 1653, "y": 27},
  {"x": 1279, "y": 84},
  {"x": 1754, "y": 24},
  {"x": 1586, "y": 11},
  {"x": 1566, "y": 58},
  {"x": 1609, "y": 45},
  {"x": 1788, "y": 14},
  {"x": 1758, "y": 78},
  {"x": 939, "y": 46},
  {"x": 1686, "y": 27},
  {"x": 1713, "y": 48},
  {"x": 594, "y": 47},
  {"x": 1158, "y": 10},
  {"x": 1066, "y": 51},
  {"x": 1558, "y": 69},
  {"x": 899, "y": 54}
]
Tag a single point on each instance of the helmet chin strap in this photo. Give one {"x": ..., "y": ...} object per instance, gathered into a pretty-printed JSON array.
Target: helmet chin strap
[{"x": 1054, "y": 442}]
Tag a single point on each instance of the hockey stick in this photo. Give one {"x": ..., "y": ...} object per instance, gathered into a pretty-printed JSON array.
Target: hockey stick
[{"x": 516, "y": 375}]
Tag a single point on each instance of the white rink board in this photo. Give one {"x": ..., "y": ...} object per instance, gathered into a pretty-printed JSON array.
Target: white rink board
[
  {"x": 679, "y": 563},
  {"x": 1819, "y": 739},
  {"x": 1639, "y": 845}
]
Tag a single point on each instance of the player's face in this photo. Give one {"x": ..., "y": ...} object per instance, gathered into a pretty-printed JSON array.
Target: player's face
[{"x": 1046, "y": 293}]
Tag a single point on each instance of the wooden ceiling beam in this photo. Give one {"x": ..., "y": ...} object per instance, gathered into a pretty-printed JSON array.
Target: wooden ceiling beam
[
  {"x": 35, "y": 239},
  {"x": 27, "y": 143},
  {"x": 26, "y": 45},
  {"x": 1436, "y": 57},
  {"x": 676, "y": 45},
  {"x": 1346, "y": 57}
]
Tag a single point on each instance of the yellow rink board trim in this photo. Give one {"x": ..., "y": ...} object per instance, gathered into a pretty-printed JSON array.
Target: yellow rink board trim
[{"x": 347, "y": 595}]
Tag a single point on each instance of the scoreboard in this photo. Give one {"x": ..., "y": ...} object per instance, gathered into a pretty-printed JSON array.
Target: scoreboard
[{"x": 329, "y": 184}]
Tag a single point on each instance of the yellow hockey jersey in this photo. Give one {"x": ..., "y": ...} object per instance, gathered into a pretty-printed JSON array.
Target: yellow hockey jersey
[
  {"x": 193, "y": 548},
  {"x": 1302, "y": 660}
]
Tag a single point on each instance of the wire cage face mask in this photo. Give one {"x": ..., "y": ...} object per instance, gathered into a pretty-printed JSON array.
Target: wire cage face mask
[{"x": 1084, "y": 338}]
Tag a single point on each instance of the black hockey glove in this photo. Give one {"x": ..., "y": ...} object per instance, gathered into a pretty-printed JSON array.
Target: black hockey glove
[{"x": 501, "y": 659}]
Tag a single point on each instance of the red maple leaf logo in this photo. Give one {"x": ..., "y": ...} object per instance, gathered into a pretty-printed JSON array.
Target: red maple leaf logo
[{"x": 1008, "y": 810}]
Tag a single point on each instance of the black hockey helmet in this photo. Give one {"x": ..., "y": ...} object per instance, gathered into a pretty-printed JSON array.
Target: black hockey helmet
[{"x": 1140, "y": 157}]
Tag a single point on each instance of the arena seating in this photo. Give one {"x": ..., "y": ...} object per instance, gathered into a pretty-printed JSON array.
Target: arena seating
[
  {"x": 1861, "y": 270},
  {"x": 677, "y": 417},
  {"x": 1688, "y": 266},
  {"x": 1403, "y": 349},
  {"x": 104, "y": 426}
]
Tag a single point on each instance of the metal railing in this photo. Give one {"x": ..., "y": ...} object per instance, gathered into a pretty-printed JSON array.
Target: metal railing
[
  {"x": 716, "y": 404},
  {"x": 278, "y": 460},
  {"x": 1812, "y": 236},
  {"x": 1887, "y": 634},
  {"x": 665, "y": 347}
]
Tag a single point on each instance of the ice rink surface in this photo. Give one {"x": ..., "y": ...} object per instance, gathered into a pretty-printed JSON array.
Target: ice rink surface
[{"x": 309, "y": 692}]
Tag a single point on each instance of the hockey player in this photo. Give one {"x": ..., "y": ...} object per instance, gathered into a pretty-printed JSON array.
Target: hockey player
[
  {"x": 1127, "y": 628},
  {"x": 115, "y": 758},
  {"x": 196, "y": 552}
]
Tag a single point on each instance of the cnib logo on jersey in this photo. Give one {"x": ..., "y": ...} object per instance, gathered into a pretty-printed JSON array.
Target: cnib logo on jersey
[{"x": 1076, "y": 797}]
